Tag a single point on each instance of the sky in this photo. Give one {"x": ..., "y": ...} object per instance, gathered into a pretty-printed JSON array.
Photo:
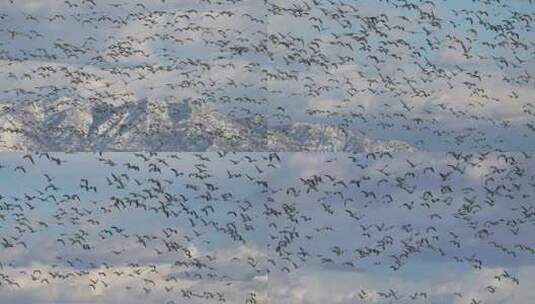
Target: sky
[
  {"x": 450, "y": 222},
  {"x": 462, "y": 79},
  {"x": 422, "y": 233}
]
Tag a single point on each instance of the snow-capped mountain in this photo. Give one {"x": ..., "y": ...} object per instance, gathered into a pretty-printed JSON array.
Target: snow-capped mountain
[{"x": 149, "y": 125}]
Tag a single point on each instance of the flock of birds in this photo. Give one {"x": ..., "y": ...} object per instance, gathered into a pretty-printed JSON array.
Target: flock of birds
[
  {"x": 379, "y": 84},
  {"x": 222, "y": 227},
  {"x": 446, "y": 74}
]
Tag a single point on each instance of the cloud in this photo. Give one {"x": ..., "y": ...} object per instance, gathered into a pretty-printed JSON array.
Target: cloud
[
  {"x": 451, "y": 56},
  {"x": 317, "y": 286}
]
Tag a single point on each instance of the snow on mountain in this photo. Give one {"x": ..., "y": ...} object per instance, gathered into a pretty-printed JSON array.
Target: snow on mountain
[{"x": 64, "y": 125}]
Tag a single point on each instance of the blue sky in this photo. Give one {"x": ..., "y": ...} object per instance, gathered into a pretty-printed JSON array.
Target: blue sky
[
  {"x": 320, "y": 275},
  {"x": 449, "y": 117},
  {"x": 420, "y": 227}
]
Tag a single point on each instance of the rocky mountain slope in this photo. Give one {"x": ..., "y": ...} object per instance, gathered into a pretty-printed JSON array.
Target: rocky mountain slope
[{"x": 148, "y": 125}]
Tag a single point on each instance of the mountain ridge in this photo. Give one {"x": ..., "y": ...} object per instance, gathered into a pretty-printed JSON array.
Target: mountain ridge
[{"x": 64, "y": 125}]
